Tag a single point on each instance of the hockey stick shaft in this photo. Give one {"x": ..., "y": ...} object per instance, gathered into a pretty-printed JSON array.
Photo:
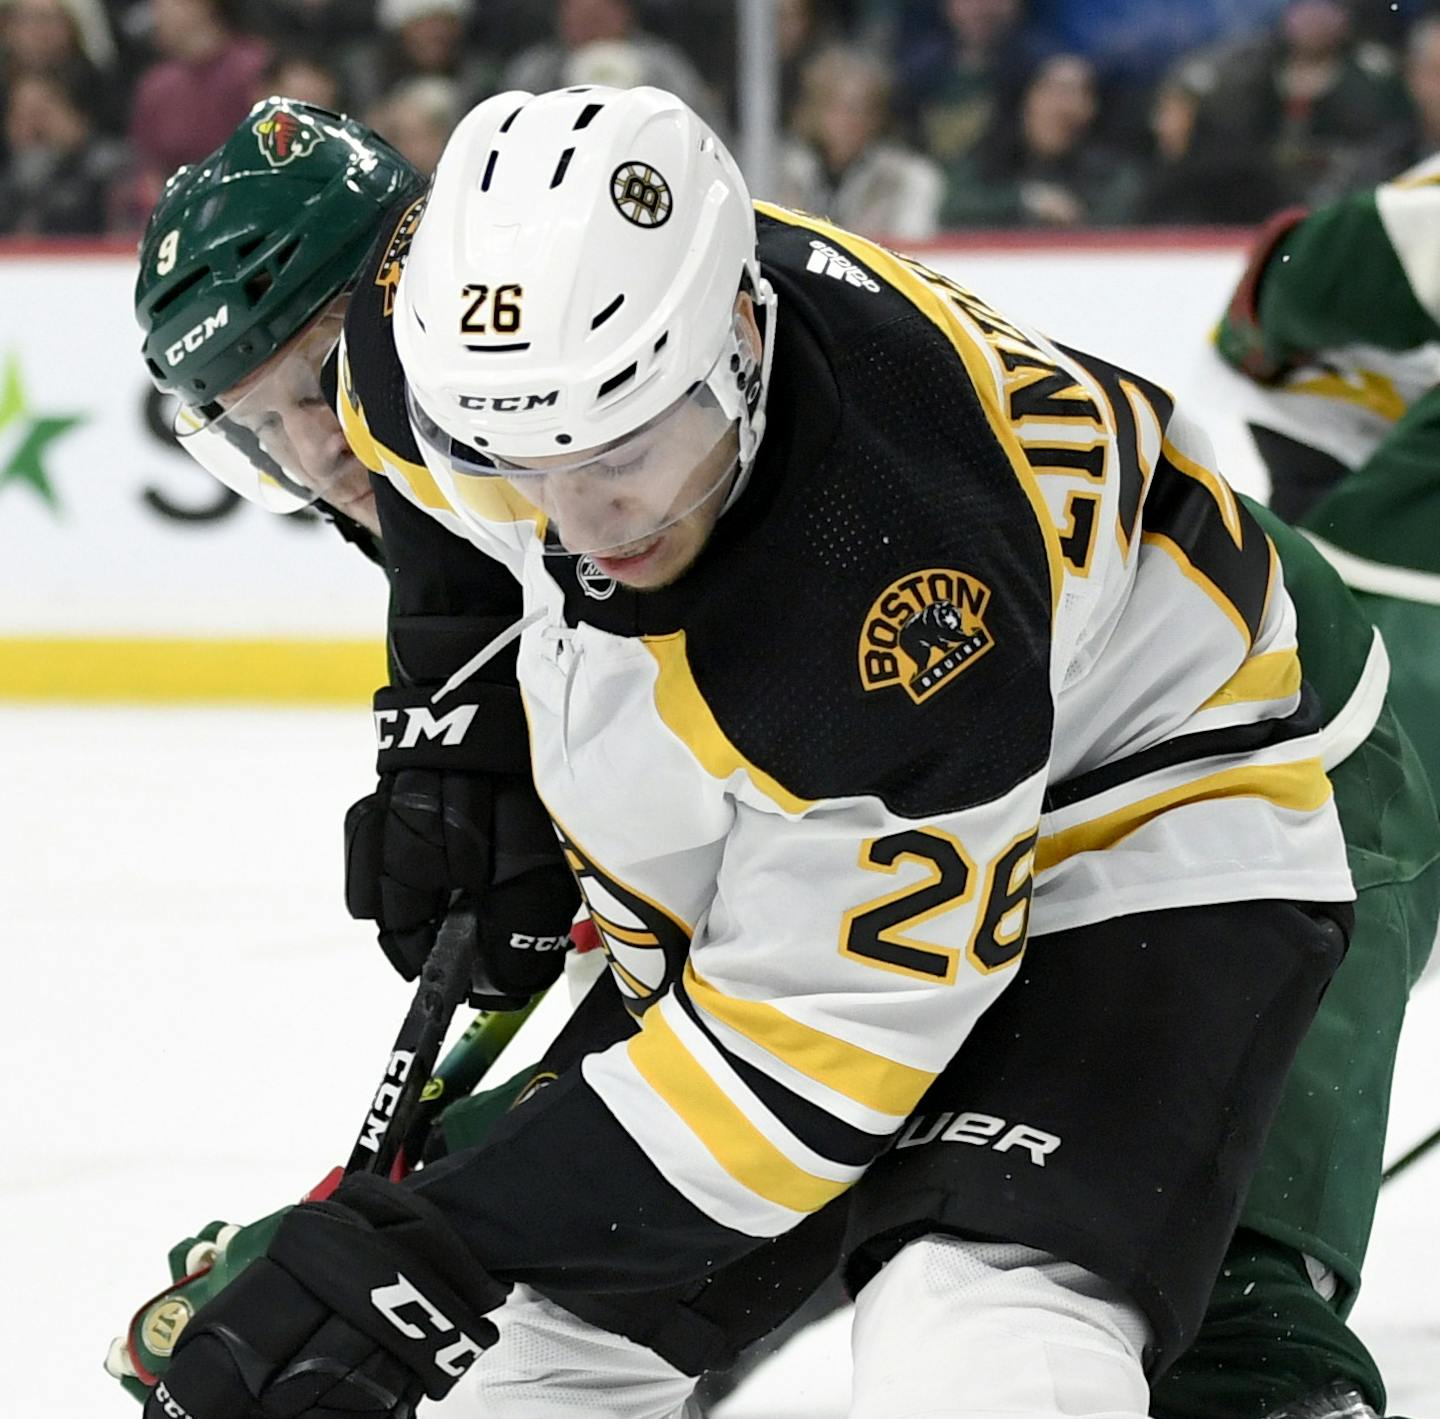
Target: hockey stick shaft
[
  {"x": 1413, "y": 1156},
  {"x": 466, "y": 1062},
  {"x": 443, "y": 985}
]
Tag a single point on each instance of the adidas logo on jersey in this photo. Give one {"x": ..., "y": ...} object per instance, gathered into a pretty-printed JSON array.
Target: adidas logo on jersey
[{"x": 826, "y": 261}]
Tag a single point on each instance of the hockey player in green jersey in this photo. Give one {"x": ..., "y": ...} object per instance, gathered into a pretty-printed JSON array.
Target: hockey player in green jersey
[
  {"x": 246, "y": 268},
  {"x": 1336, "y": 322},
  {"x": 243, "y": 280},
  {"x": 1274, "y": 1340},
  {"x": 942, "y": 879}
]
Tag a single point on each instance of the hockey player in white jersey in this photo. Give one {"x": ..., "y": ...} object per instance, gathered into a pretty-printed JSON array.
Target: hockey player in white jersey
[{"x": 921, "y": 715}]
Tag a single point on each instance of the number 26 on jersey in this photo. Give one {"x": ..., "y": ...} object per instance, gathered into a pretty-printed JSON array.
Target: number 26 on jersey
[{"x": 879, "y": 932}]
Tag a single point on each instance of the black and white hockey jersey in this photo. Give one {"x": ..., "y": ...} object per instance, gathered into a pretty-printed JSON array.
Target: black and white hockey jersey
[{"x": 985, "y": 650}]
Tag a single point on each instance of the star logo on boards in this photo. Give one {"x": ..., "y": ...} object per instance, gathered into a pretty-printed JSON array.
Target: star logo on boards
[{"x": 25, "y": 437}]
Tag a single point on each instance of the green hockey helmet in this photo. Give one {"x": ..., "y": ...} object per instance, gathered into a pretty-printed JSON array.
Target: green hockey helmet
[{"x": 247, "y": 246}]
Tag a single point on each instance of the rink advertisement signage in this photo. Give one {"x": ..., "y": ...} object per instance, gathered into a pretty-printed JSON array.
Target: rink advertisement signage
[
  {"x": 26, "y": 435},
  {"x": 127, "y": 572}
]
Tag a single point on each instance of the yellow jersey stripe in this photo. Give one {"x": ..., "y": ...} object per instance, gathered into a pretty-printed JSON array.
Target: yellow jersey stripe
[
  {"x": 384, "y": 461},
  {"x": 720, "y": 1124},
  {"x": 640, "y": 937},
  {"x": 690, "y": 719},
  {"x": 869, "y": 1079},
  {"x": 1300, "y": 786},
  {"x": 1213, "y": 484},
  {"x": 490, "y": 498},
  {"x": 972, "y": 352},
  {"x": 1273, "y": 676}
]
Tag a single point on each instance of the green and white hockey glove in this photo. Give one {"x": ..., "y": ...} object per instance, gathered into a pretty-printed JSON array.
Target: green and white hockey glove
[
  {"x": 200, "y": 1268},
  {"x": 361, "y": 1305},
  {"x": 1240, "y": 337}
]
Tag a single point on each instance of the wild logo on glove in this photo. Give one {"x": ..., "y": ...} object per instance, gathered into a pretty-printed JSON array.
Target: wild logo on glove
[{"x": 923, "y": 630}]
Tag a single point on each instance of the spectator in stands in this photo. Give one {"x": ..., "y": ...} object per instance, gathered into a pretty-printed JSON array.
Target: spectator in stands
[
  {"x": 707, "y": 32},
  {"x": 1048, "y": 169},
  {"x": 1197, "y": 176},
  {"x": 803, "y": 28},
  {"x": 70, "y": 39},
  {"x": 302, "y": 74},
  {"x": 839, "y": 163},
  {"x": 419, "y": 39},
  {"x": 56, "y": 179},
  {"x": 315, "y": 26},
  {"x": 600, "y": 41},
  {"x": 1140, "y": 39},
  {"x": 187, "y": 102},
  {"x": 1419, "y": 137},
  {"x": 955, "y": 87},
  {"x": 1307, "y": 93},
  {"x": 416, "y": 118}
]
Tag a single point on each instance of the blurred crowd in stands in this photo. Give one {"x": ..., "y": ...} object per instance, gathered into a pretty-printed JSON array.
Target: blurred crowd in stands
[{"x": 901, "y": 117}]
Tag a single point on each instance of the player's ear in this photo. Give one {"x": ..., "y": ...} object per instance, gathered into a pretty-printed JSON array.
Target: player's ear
[{"x": 747, "y": 330}]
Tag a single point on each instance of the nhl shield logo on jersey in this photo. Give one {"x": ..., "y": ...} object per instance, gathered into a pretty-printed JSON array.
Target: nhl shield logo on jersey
[
  {"x": 923, "y": 630},
  {"x": 283, "y": 138}
]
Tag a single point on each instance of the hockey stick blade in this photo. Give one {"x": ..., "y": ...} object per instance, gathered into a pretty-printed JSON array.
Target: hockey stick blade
[{"x": 443, "y": 985}]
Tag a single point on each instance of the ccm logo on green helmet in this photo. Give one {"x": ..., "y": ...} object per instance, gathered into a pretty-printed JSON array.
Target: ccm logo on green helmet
[{"x": 197, "y": 335}]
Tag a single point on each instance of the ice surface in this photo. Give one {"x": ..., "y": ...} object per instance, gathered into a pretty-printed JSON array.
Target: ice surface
[{"x": 192, "y": 1024}]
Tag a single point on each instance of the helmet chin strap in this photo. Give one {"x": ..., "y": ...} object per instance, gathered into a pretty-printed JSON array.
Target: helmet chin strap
[{"x": 752, "y": 419}]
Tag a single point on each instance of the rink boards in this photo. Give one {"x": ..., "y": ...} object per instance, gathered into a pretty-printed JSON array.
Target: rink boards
[{"x": 127, "y": 573}]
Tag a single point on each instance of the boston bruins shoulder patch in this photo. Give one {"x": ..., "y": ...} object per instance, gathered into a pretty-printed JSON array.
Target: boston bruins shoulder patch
[
  {"x": 923, "y": 630},
  {"x": 387, "y": 274}
]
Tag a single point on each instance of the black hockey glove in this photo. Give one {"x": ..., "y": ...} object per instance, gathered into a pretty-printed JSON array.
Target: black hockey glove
[
  {"x": 456, "y": 813},
  {"x": 361, "y": 1306}
]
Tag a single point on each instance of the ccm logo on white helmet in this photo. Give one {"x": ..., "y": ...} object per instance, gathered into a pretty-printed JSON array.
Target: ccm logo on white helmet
[
  {"x": 510, "y": 403},
  {"x": 197, "y": 335}
]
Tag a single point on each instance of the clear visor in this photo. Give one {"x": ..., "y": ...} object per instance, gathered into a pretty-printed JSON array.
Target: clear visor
[
  {"x": 614, "y": 499},
  {"x": 274, "y": 438}
]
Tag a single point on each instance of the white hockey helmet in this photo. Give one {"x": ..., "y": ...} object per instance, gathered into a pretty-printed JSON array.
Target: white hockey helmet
[{"x": 567, "y": 310}]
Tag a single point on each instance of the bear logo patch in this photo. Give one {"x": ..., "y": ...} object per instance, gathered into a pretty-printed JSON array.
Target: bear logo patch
[{"x": 923, "y": 630}]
